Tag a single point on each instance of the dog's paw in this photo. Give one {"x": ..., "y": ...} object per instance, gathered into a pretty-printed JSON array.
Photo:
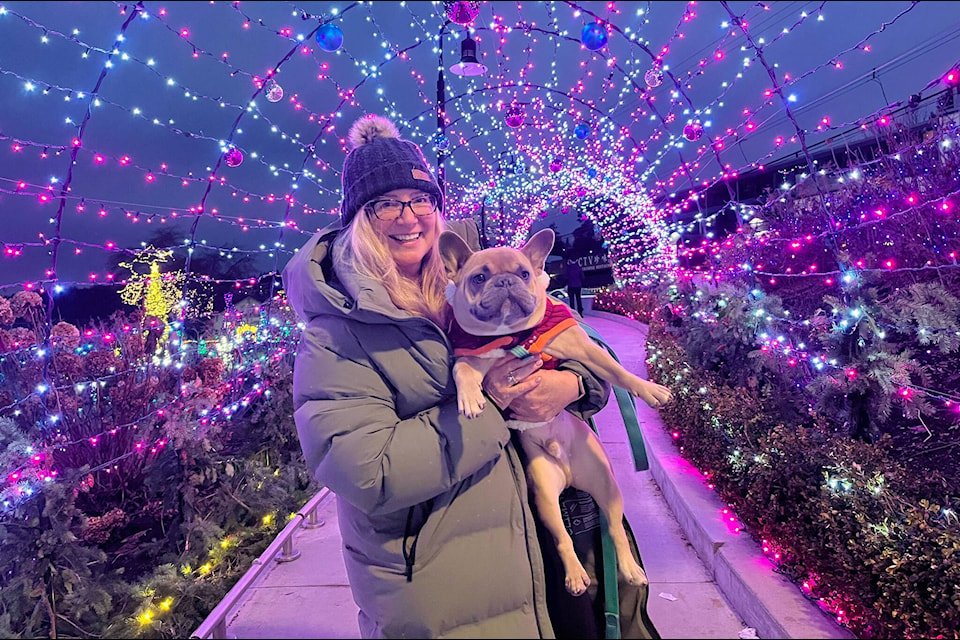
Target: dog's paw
[
  {"x": 633, "y": 573},
  {"x": 655, "y": 395},
  {"x": 577, "y": 582},
  {"x": 471, "y": 407}
]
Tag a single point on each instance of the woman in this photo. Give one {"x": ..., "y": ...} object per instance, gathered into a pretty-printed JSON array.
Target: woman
[{"x": 438, "y": 537}]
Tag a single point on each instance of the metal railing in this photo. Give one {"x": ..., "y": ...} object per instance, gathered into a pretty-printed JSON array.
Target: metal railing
[{"x": 280, "y": 550}]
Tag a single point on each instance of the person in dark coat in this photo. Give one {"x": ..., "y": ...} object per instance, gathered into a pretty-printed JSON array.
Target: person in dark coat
[{"x": 574, "y": 275}]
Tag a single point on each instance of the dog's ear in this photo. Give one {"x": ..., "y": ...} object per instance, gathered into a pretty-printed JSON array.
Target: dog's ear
[
  {"x": 538, "y": 248},
  {"x": 454, "y": 252}
]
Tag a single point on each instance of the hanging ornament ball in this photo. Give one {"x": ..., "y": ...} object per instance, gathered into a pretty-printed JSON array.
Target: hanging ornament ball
[
  {"x": 653, "y": 78},
  {"x": 593, "y": 36},
  {"x": 233, "y": 157},
  {"x": 556, "y": 164},
  {"x": 581, "y": 191},
  {"x": 329, "y": 37},
  {"x": 592, "y": 172},
  {"x": 581, "y": 131},
  {"x": 515, "y": 116},
  {"x": 274, "y": 92},
  {"x": 462, "y": 12},
  {"x": 693, "y": 131},
  {"x": 440, "y": 141}
]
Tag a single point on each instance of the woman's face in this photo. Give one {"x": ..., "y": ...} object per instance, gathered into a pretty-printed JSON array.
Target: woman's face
[{"x": 409, "y": 237}]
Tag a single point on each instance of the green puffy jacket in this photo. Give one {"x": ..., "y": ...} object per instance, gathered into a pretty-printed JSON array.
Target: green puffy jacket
[{"x": 438, "y": 536}]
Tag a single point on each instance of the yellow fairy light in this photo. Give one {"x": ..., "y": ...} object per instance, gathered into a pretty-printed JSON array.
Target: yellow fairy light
[
  {"x": 206, "y": 568},
  {"x": 268, "y": 519},
  {"x": 146, "y": 617},
  {"x": 166, "y": 604}
]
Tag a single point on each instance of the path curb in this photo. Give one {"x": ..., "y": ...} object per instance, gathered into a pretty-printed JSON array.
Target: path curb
[{"x": 763, "y": 598}]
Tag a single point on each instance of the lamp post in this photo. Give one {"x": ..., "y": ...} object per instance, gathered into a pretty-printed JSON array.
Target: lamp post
[
  {"x": 441, "y": 111},
  {"x": 468, "y": 65}
]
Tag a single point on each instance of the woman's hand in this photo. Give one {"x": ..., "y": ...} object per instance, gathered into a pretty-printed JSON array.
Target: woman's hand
[
  {"x": 530, "y": 398},
  {"x": 547, "y": 400},
  {"x": 509, "y": 378}
]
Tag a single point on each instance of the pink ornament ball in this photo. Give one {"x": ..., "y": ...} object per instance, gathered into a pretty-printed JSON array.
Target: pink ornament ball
[
  {"x": 233, "y": 157},
  {"x": 693, "y": 131}
]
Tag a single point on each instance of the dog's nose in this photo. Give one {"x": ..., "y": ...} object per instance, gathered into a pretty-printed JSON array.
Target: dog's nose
[{"x": 504, "y": 281}]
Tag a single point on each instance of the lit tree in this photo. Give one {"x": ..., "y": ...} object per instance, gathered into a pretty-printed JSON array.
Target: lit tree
[{"x": 158, "y": 293}]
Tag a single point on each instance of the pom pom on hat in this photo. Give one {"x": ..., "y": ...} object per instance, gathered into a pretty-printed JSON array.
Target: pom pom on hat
[
  {"x": 380, "y": 161},
  {"x": 367, "y": 129}
]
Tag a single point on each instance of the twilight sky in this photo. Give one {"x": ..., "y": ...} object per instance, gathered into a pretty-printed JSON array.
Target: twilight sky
[{"x": 147, "y": 98}]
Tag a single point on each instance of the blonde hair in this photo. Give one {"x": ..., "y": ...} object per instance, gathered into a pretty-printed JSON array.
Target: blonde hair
[{"x": 363, "y": 249}]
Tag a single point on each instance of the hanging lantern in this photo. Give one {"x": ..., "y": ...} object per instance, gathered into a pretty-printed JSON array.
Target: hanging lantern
[
  {"x": 581, "y": 131},
  {"x": 329, "y": 37},
  {"x": 233, "y": 157},
  {"x": 469, "y": 65},
  {"x": 461, "y": 12},
  {"x": 274, "y": 91},
  {"x": 653, "y": 78},
  {"x": 515, "y": 116},
  {"x": 556, "y": 164},
  {"x": 693, "y": 131},
  {"x": 593, "y": 36}
]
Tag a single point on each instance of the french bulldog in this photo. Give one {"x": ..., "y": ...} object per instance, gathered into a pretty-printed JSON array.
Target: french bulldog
[{"x": 500, "y": 306}]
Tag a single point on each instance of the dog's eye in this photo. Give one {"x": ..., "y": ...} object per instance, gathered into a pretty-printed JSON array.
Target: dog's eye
[
  {"x": 479, "y": 278},
  {"x": 525, "y": 274}
]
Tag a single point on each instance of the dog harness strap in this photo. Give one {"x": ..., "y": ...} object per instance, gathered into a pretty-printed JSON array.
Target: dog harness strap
[{"x": 547, "y": 336}]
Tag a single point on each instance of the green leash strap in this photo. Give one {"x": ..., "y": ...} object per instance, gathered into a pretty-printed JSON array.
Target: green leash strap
[
  {"x": 611, "y": 591},
  {"x": 628, "y": 411}
]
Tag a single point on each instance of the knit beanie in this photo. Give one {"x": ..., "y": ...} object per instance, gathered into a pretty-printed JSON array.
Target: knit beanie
[{"x": 380, "y": 161}]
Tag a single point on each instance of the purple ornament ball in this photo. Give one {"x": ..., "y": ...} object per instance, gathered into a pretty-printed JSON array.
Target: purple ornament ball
[
  {"x": 462, "y": 12},
  {"x": 514, "y": 117}
]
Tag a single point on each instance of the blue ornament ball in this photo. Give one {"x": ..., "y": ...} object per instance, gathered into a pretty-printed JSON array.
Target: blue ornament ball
[
  {"x": 440, "y": 141},
  {"x": 581, "y": 131},
  {"x": 593, "y": 36},
  {"x": 329, "y": 37},
  {"x": 592, "y": 172}
]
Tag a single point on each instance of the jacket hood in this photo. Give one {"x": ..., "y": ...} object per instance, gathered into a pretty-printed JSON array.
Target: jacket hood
[{"x": 314, "y": 288}]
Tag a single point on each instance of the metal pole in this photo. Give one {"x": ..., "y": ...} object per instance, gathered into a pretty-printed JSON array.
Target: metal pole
[{"x": 441, "y": 109}]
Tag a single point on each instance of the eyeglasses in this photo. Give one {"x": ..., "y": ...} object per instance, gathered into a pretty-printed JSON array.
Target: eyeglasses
[{"x": 388, "y": 210}]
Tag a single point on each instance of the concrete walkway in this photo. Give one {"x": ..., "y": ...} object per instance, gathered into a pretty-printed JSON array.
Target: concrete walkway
[{"x": 706, "y": 580}]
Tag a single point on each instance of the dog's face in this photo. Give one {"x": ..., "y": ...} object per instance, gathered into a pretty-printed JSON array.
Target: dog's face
[{"x": 497, "y": 291}]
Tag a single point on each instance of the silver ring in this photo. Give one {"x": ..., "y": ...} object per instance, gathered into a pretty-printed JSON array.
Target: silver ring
[{"x": 511, "y": 379}]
